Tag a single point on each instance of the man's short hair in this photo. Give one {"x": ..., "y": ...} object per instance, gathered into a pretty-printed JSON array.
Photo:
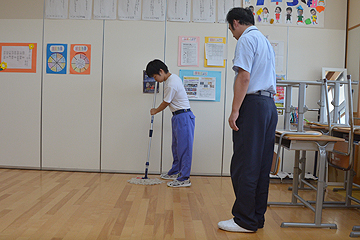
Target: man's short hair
[
  {"x": 154, "y": 67},
  {"x": 243, "y": 15}
]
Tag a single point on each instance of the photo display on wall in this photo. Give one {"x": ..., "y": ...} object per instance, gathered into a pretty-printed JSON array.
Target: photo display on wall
[{"x": 301, "y": 13}]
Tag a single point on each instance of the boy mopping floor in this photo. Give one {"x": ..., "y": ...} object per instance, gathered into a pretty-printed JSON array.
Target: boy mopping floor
[{"x": 182, "y": 123}]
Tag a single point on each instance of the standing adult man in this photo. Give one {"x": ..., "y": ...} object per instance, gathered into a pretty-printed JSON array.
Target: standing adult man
[{"x": 253, "y": 119}]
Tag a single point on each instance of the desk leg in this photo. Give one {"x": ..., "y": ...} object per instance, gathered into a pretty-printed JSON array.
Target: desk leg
[
  {"x": 302, "y": 170},
  {"x": 295, "y": 185},
  {"x": 297, "y": 175},
  {"x": 349, "y": 185},
  {"x": 319, "y": 197},
  {"x": 320, "y": 186}
]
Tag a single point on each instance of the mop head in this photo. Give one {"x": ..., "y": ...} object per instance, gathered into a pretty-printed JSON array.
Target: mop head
[{"x": 141, "y": 181}]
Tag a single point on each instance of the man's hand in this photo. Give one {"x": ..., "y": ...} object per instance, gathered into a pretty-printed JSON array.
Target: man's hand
[
  {"x": 240, "y": 88},
  {"x": 232, "y": 120}
]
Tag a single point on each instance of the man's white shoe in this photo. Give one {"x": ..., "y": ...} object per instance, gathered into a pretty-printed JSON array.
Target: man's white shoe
[{"x": 231, "y": 226}]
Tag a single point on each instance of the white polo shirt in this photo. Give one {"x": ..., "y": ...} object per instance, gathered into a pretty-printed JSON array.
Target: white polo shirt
[
  {"x": 254, "y": 54},
  {"x": 174, "y": 93}
]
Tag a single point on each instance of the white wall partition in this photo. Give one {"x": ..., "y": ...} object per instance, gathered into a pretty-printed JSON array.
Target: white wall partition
[
  {"x": 353, "y": 53},
  {"x": 129, "y": 46},
  {"x": 101, "y": 121},
  {"x": 20, "y": 100},
  {"x": 207, "y": 152},
  {"x": 72, "y": 103}
]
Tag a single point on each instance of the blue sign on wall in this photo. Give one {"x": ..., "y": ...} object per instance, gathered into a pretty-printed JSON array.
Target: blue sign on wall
[{"x": 56, "y": 58}]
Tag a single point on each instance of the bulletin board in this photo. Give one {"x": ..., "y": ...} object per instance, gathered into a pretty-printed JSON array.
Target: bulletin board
[
  {"x": 18, "y": 57},
  {"x": 202, "y": 85}
]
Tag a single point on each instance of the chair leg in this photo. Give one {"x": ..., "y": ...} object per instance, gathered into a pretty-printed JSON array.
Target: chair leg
[
  {"x": 356, "y": 228},
  {"x": 355, "y": 234},
  {"x": 355, "y": 231}
]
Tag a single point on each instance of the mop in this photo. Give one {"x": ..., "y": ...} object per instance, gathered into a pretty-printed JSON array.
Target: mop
[{"x": 145, "y": 180}]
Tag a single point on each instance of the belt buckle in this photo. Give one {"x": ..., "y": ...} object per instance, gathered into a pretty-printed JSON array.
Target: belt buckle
[{"x": 266, "y": 93}]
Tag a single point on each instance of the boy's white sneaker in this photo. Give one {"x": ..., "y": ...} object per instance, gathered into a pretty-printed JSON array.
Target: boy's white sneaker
[
  {"x": 169, "y": 177},
  {"x": 177, "y": 183}
]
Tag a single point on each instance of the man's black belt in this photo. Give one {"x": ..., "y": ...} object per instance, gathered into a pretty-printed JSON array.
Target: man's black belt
[
  {"x": 264, "y": 93},
  {"x": 181, "y": 111}
]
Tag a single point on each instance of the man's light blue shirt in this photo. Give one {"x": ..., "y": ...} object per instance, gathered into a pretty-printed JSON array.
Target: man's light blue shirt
[{"x": 255, "y": 55}]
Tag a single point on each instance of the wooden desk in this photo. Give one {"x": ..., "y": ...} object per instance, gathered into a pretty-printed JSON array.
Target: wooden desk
[
  {"x": 298, "y": 143},
  {"x": 317, "y": 127}
]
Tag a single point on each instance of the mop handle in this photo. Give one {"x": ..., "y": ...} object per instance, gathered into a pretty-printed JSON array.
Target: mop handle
[
  {"x": 151, "y": 132},
  {"x": 152, "y": 116}
]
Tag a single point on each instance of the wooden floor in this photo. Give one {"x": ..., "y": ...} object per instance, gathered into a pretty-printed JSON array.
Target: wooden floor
[{"x": 76, "y": 205}]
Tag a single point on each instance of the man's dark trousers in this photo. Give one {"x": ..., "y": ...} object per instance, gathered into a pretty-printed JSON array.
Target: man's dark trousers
[{"x": 250, "y": 166}]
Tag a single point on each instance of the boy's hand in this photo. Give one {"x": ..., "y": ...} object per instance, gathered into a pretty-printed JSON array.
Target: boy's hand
[
  {"x": 161, "y": 107},
  {"x": 153, "y": 111}
]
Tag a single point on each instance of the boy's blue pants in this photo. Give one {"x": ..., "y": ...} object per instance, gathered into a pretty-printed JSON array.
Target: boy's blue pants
[{"x": 183, "y": 126}]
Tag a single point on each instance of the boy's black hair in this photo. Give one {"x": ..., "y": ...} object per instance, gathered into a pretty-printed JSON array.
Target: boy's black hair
[
  {"x": 243, "y": 15},
  {"x": 289, "y": 8},
  {"x": 154, "y": 67}
]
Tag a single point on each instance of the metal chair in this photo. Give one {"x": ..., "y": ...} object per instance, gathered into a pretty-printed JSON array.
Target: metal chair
[{"x": 342, "y": 157}]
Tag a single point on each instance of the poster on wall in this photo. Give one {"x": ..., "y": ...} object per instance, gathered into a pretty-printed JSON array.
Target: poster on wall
[
  {"x": 202, "y": 85},
  {"x": 215, "y": 52},
  {"x": 18, "y": 57},
  {"x": 223, "y": 8},
  {"x": 279, "y": 48},
  {"x": 303, "y": 13},
  {"x": 80, "y": 9},
  {"x": 56, "y": 9},
  {"x": 56, "y": 58},
  {"x": 188, "y": 54},
  {"x": 280, "y": 95},
  {"x": 204, "y": 10},
  {"x": 105, "y": 9},
  {"x": 129, "y": 10},
  {"x": 149, "y": 84},
  {"x": 80, "y": 56},
  {"x": 179, "y": 10},
  {"x": 154, "y": 10}
]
